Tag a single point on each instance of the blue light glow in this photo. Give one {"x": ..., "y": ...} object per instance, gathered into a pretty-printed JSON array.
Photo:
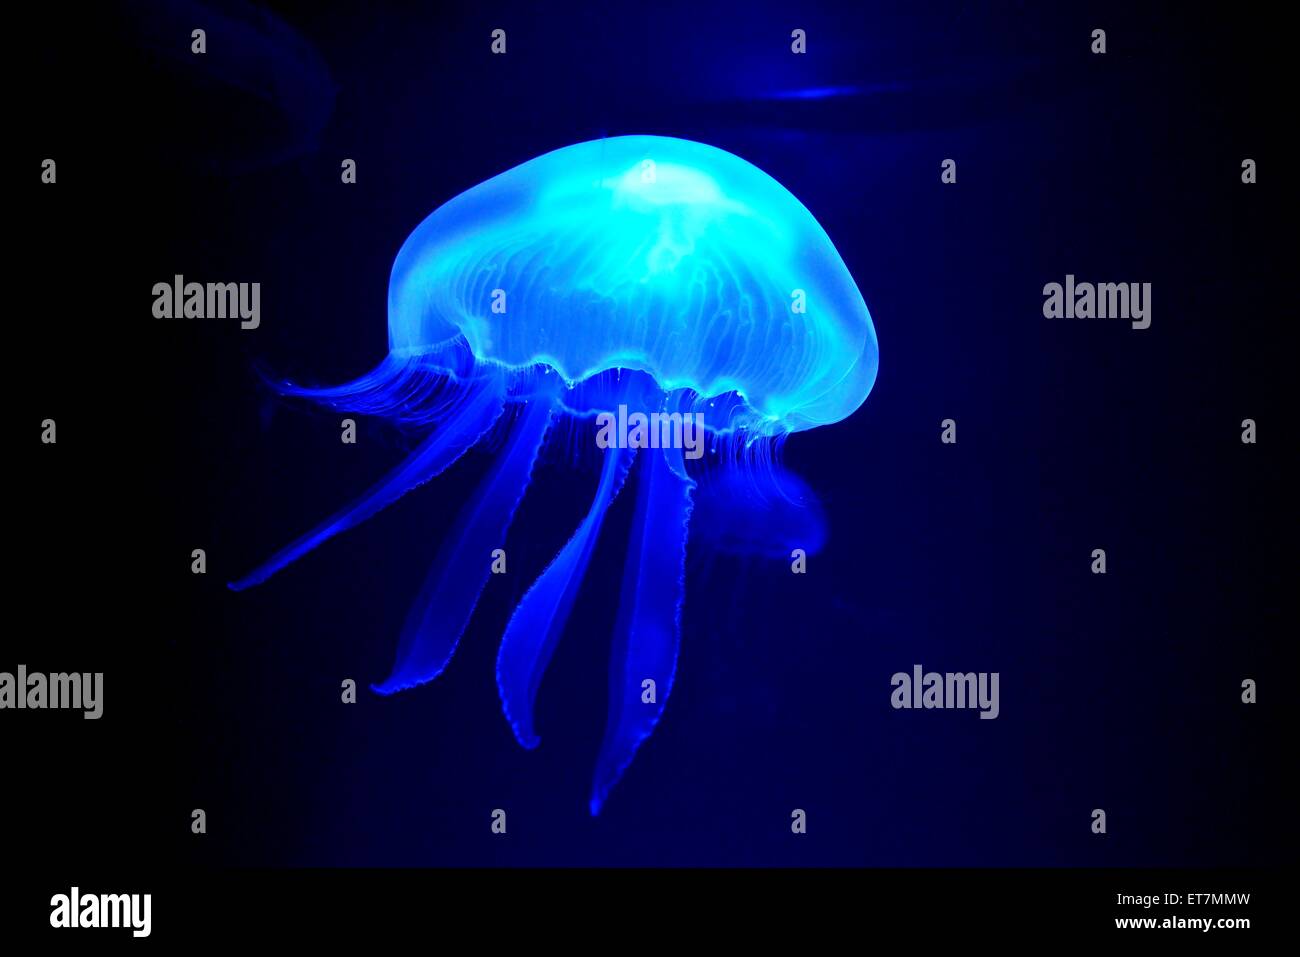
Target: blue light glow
[
  {"x": 643, "y": 252},
  {"x": 640, "y": 272}
]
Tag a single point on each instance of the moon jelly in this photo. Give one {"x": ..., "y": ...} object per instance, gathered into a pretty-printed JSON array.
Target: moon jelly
[{"x": 631, "y": 276}]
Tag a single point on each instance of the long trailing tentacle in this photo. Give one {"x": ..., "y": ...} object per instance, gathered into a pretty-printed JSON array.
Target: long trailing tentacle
[
  {"x": 456, "y": 580},
  {"x": 647, "y": 633},
  {"x": 535, "y": 627},
  {"x": 413, "y": 390},
  {"x": 477, "y": 408}
]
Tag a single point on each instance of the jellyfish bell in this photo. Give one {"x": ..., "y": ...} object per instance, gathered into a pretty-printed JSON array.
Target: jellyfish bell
[
  {"x": 688, "y": 269},
  {"x": 632, "y": 275}
]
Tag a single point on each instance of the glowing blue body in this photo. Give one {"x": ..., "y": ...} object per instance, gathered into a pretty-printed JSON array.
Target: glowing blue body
[
  {"x": 649, "y": 253},
  {"x": 654, "y": 274}
]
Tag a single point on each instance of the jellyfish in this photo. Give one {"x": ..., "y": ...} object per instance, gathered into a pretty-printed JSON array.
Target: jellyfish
[{"x": 634, "y": 279}]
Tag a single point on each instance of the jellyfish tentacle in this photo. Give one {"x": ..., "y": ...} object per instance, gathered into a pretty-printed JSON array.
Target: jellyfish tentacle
[
  {"x": 474, "y": 415},
  {"x": 648, "y": 630},
  {"x": 452, "y": 588},
  {"x": 535, "y": 627},
  {"x": 411, "y": 389}
]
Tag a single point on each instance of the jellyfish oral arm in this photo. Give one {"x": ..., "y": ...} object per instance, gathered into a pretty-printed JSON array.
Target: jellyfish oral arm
[
  {"x": 481, "y": 407},
  {"x": 439, "y": 617},
  {"x": 648, "y": 630},
  {"x": 536, "y": 625}
]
